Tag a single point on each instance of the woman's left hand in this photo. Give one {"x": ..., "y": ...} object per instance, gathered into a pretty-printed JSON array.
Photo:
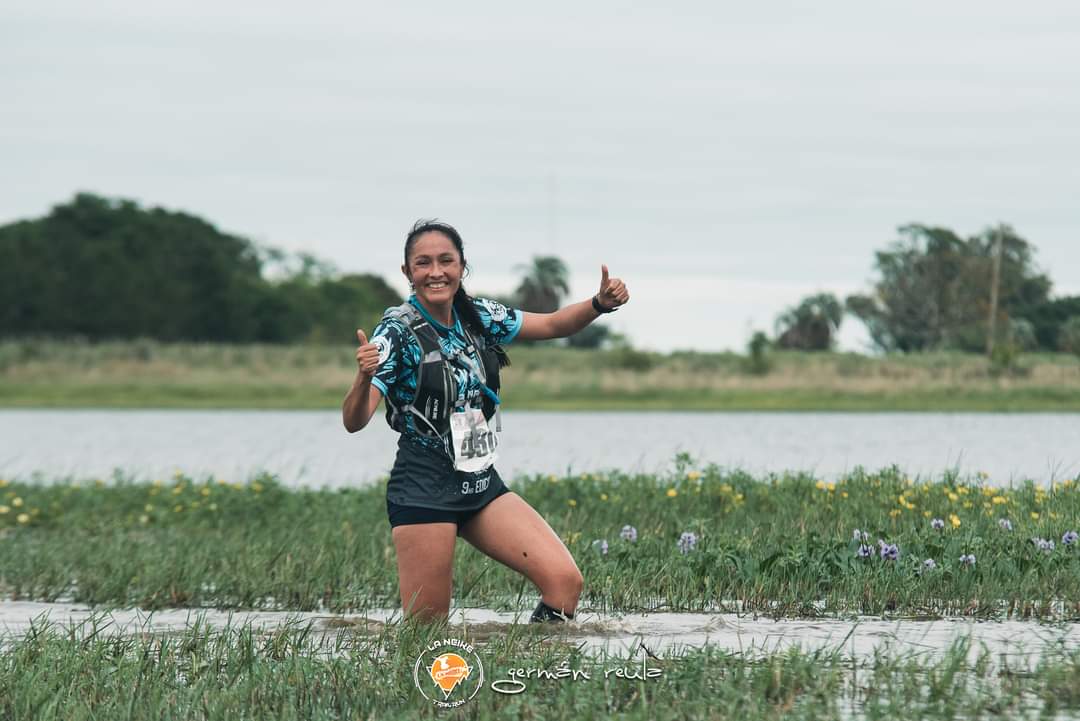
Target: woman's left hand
[{"x": 613, "y": 292}]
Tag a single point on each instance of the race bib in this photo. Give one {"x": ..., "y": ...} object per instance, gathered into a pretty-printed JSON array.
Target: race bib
[{"x": 473, "y": 441}]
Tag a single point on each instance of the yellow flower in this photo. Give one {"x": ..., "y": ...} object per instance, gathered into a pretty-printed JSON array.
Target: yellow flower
[
  {"x": 572, "y": 502},
  {"x": 820, "y": 485},
  {"x": 954, "y": 520},
  {"x": 23, "y": 518},
  {"x": 953, "y": 497},
  {"x": 895, "y": 512},
  {"x": 998, "y": 500},
  {"x": 738, "y": 498},
  {"x": 671, "y": 493},
  {"x": 148, "y": 508},
  {"x": 693, "y": 475},
  {"x": 257, "y": 487},
  {"x": 843, "y": 494},
  {"x": 158, "y": 484},
  {"x": 926, "y": 514},
  {"x": 967, "y": 504},
  {"x": 16, "y": 501},
  {"x": 177, "y": 490},
  {"x": 726, "y": 488},
  {"x": 99, "y": 483},
  {"x": 3, "y": 482},
  {"x": 603, "y": 496},
  {"x": 205, "y": 491},
  {"x": 831, "y": 486},
  {"x": 553, "y": 479},
  {"x": 222, "y": 482},
  {"x": 1034, "y": 516},
  {"x": 178, "y": 507}
]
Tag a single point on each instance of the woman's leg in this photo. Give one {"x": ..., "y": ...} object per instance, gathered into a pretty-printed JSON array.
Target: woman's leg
[
  {"x": 509, "y": 530},
  {"x": 425, "y": 558}
]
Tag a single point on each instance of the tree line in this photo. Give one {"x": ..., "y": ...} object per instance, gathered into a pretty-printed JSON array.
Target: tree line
[
  {"x": 107, "y": 269},
  {"x": 936, "y": 290}
]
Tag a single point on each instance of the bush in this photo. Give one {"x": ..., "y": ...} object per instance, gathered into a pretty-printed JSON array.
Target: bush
[
  {"x": 758, "y": 361},
  {"x": 1069, "y": 335}
]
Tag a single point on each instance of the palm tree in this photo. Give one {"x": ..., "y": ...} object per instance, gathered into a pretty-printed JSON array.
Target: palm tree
[{"x": 544, "y": 286}]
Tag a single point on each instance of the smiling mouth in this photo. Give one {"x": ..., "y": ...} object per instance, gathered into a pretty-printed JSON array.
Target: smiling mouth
[{"x": 438, "y": 286}]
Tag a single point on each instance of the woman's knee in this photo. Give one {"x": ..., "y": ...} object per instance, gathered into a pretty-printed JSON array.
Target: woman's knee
[{"x": 566, "y": 581}]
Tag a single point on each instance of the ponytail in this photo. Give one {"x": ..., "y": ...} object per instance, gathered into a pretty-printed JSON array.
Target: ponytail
[{"x": 466, "y": 311}]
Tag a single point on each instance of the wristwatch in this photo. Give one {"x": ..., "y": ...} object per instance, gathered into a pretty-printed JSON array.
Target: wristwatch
[{"x": 601, "y": 309}]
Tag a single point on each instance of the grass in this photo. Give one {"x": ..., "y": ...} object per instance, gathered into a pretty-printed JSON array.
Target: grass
[
  {"x": 239, "y": 672},
  {"x": 140, "y": 374},
  {"x": 780, "y": 545}
]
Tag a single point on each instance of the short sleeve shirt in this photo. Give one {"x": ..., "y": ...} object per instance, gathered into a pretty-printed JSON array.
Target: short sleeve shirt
[{"x": 399, "y": 356}]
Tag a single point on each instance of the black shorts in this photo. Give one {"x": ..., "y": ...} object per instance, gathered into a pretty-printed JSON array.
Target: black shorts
[{"x": 406, "y": 515}]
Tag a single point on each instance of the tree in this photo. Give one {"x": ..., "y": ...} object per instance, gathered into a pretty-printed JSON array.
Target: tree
[
  {"x": 1069, "y": 335},
  {"x": 935, "y": 288},
  {"x": 811, "y": 325},
  {"x": 544, "y": 286},
  {"x": 104, "y": 268},
  {"x": 1048, "y": 317}
]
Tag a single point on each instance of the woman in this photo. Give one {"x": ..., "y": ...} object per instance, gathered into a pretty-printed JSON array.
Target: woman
[{"x": 435, "y": 359}]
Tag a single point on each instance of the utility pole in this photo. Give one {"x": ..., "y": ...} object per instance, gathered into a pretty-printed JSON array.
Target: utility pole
[{"x": 991, "y": 330}]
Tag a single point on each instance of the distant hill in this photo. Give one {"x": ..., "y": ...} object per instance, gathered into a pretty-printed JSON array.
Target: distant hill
[{"x": 105, "y": 268}]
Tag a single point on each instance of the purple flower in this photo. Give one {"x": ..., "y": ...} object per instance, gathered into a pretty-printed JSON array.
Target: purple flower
[
  {"x": 866, "y": 551},
  {"x": 1005, "y": 523},
  {"x": 628, "y": 533},
  {"x": 967, "y": 559},
  {"x": 889, "y": 552},
  {"x": 1043, "y": 545},
  {"x": 602, "y": 545},
  {"x": 1070, "y": 538},
  {"x": 860, "y": 536},
  {"x": 687, "y": 541},
  {"x": 929, "y": 564},
  {"x": 937, "y": 524}
]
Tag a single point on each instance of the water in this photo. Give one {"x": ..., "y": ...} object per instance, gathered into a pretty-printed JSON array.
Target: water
[
  {"x": 312, "y": 448},
  {"x": 616, "y": 634}
]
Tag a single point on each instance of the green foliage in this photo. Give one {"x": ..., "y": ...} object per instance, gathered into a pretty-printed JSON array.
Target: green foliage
[
  {"x": 934, "y": 290},
  {"x": 758, "y": 361},
  {"x": 544, "y": 286},
  {"x": 594, "y": 335},
  {"x": 102, "y": 268},
  {"x": 811, "y": 325},
  {"x": 1069, "y": 336},
  {"x": 1048, "y": 318}
]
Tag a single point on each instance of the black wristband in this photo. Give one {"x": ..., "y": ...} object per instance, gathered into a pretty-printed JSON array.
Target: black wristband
[{"x": 601, "y": 309}]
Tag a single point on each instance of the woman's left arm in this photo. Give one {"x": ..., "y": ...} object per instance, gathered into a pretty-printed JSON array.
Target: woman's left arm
[{"x": 572, "y": 318}]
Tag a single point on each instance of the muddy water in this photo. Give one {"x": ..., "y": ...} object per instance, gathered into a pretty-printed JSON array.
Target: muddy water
[{"x": 615, "y": 634}]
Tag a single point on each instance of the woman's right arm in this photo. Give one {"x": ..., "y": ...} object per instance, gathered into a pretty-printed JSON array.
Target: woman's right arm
[{"x": 363, "y": 398}]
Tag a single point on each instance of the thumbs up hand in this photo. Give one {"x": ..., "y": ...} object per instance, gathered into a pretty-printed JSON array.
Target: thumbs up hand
[
  {"x": 613, "y": 292},
  {"x": 367, "y": 355}
]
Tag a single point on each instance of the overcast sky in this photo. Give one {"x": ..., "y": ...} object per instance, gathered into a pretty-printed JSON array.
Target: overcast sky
[{"x": 724, "y": 159}]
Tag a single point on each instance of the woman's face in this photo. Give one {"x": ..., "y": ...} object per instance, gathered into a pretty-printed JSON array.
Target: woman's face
[{"x": 434, "y": 268}]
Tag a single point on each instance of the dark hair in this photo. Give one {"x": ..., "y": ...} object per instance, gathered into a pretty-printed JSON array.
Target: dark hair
[{"x": 463, "y": 302}]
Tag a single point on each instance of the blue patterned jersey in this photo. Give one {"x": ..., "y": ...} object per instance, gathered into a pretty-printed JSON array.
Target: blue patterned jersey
[{"x": 399, "y": 356}]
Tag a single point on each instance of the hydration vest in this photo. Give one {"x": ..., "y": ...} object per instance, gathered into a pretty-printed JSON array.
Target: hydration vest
[{"x": 436, "y": 386}]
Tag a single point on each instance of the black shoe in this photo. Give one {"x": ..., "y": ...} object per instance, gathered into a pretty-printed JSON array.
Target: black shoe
[{"x": 546, "y": 614}]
